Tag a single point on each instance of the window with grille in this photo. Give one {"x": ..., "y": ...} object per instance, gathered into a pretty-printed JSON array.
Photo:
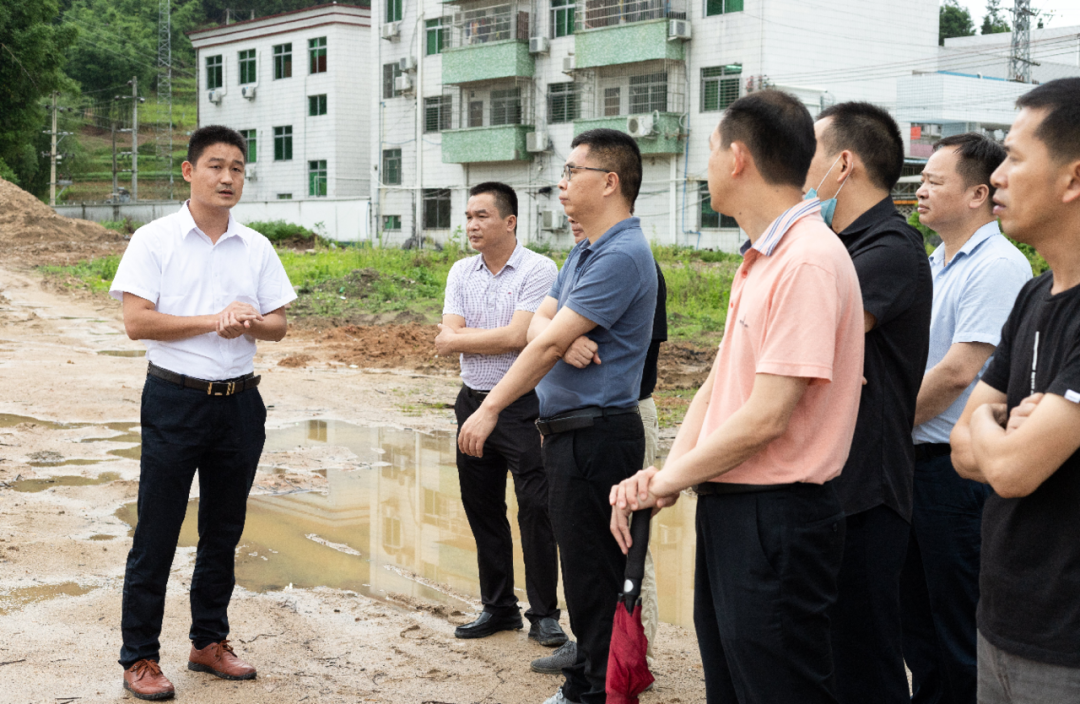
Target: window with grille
[
  {"x": 648, "y": 93},
  {"x": 391, "y": 222},
  {"x": 214, "y": 75},
  {"x": 436, "y": 208},
  {"x": 563, "y": 103},
  {"x": 282, "y": 61},
  {"x": 722, "y": 7},
  {"x": 438, "y": 35},
  {"x": 612, "y": 101},
  {"x": 247, "y": 67},
  {"x": 252, "y": 145},
  {"x": 437, "y": 113},
  {"x": 394, "y": 10},
  {"x": 476, "y": 113},
  {"x": 316, "y": 105},
  {"x": 710, "y": 219},
  {"x": 562, "y": 17},
  {"x": 317, "y": 178},
  {"x": 284, "y": 196},
  {"x": 283, "y": 143},
  {"x": 389, "y": 73},
  {"x": 720, "y": 86},
  {"x": 317, "y": 55},
  {"x": 391, "y": 167},
  {"x": 506, "y": 106}
]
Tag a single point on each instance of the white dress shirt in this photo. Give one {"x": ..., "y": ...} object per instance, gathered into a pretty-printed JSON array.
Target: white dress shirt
[{"x": 172, "y": 263}]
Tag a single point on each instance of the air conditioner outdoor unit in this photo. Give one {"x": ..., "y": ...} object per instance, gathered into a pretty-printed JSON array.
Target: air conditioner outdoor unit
[
  {"x": 391, "y": 30},
  {"x": 248, "y": 92},
  {"x": 539, "y": 45},
  {"x": 678, "y": 29},
  {"x": 552, "y": 220},
  {"x": 406, "y": 63},
  {"x": 536, "y": 142},
  {"x": 640, "y": 125},
  {"x": 568, "y": 64},
  {"x": 215, "y": 96},
  {"x": 250, "y": 173},
  {"x": 403, "y": 84}
]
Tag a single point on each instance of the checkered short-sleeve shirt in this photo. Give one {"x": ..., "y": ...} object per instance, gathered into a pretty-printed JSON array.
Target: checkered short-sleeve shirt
[{"x": 489, "y": 301}]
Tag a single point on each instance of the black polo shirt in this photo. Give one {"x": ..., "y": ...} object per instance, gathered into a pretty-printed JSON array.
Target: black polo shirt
[
  {"x": 898, "y": 290},
  {"x": 659, "y": 334}
]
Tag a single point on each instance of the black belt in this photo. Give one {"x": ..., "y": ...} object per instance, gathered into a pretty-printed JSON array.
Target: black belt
[
  {"x": 475, "y": 393},
  {"x": 927, "y": 451},
  {"x": 580, "y": 418},
  {"x": 226, "y": 387},
  {"x": 715, "y": 488}
]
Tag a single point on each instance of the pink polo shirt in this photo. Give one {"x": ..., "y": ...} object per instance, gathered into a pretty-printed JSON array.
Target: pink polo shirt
[{"x": 796, "y": 310}]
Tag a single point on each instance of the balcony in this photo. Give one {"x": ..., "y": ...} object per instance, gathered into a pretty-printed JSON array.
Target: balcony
[
  {"x": 481, "y": 144},
  {"x": 487, "y": 42},
  {"x": 666, "y": 137},
  {"x": 610, "y": 32},
  {"x": 487, "y": 122}
]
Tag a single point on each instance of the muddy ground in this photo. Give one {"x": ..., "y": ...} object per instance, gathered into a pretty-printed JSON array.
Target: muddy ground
[{"x": 62, "y": 550}]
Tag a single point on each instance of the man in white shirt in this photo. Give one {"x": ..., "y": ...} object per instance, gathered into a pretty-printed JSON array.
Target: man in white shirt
[{"x": 198, "y": 289}]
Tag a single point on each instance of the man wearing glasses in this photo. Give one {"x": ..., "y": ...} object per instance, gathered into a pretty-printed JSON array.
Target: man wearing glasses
[{"x": 593, "y": 436}]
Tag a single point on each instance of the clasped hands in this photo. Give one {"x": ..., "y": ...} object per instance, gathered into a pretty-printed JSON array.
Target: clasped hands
[
  {"x": 237, "y": 319},
  {"x": 633, "y": 494},
  {"x": 1009, "y": 420}
]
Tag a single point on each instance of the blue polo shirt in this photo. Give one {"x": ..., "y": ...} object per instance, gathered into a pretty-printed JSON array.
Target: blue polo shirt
[
  {"x": 612, "y": 282},
  {"x": 973, "y": 295}
]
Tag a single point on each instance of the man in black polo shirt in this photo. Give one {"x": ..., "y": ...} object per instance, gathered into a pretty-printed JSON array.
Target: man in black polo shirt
[
  {"x": 859, "y": 158},
  {"x": 1020, "y": 430}
]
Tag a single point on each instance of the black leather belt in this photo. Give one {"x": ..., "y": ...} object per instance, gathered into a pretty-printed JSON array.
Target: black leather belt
[
  {"x": 716, "y": 488},
  {"x": 927, "y": 451},
  {"x": 475, "y": 393},
  {"x": 227, "y": 387},
  {"x": 580, "y": 418}
]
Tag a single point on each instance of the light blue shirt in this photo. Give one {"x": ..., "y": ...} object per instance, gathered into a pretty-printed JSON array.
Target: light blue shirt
[{"x": 973, "y": 296}]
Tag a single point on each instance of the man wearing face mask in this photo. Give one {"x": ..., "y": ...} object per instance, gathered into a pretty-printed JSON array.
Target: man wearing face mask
[{"x": 858, "y": 160}]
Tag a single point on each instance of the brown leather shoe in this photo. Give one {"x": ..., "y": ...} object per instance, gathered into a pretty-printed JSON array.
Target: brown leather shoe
[
  {"x": 145, "y": 681},
  {"x": 219, "y": 659}
]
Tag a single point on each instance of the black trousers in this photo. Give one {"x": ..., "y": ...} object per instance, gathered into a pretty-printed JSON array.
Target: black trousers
[
  {"x": 514, "y": 445},
  {"x": 184, "y": 430},
  {"x": 767, "y": 565},
  {"x": 867, "y": 633},
  {"x": 582, "y": 465}
]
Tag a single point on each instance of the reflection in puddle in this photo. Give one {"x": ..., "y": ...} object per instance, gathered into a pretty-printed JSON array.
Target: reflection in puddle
[
  {"x": 23, "y": 596},
  {"x": 123, "y": 353},
  {"x": 398, "y": 526},
  {"x": 31, "y": 486}
]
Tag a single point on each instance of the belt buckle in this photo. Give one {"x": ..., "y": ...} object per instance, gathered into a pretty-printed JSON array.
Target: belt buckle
[{"x": 230, "y": 388}]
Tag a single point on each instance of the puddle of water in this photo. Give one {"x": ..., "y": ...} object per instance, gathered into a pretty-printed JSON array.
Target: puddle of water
[
  {"x": 35, "y": 485},
  {"x": 23, "y": 596},
  {"x": 129, "y": 433},
  {"x": 8, "y": 420},
  {"x": 398, "y": 526},
  {"x": 102, "y": 536},
  {"x": 61, "y": 463},
  {"x": 123, "y": 353}
]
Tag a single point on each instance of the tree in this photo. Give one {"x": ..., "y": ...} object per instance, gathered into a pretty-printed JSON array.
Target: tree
[
  {"x": 32, "y": 48},
  {"x": 954, "y": 21},
  {"x": 994, "y": 21}
]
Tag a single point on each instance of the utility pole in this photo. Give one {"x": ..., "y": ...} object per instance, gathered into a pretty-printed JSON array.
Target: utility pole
[
  {"x": 1021, "y": 63},
  {"x": 52, "y": 154},
  {"x": 113, "y": 125},
  {"x": 135, "y": 138},
  {"x": 164, "y": 88}
]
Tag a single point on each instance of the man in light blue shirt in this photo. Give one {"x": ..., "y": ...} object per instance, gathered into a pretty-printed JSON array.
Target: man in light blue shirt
[{"x": 977, "y": 275}]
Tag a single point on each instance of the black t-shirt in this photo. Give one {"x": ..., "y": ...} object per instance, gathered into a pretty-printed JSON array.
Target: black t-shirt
[
  {"x": 897, "y": 289},
  {"x": 659, "y": 334},
  {"x": 1029, "y": 583}
]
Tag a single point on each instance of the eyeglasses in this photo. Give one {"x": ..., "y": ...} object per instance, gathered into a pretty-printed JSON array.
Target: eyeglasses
[{"x": 568, "y": 171}]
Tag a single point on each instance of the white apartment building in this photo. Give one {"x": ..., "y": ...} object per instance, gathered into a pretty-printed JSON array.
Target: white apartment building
[{"x": 298, "y": 87}]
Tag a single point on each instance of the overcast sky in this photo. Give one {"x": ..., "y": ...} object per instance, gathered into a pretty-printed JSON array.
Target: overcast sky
[{"x": 1066, "y": 12}]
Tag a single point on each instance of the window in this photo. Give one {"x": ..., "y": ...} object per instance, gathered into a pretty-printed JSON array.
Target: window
[
  {"x": 612, "y": 102},
  {"x": 391, "y": 167},
  {"x": 722, "y": 7},
  {"x": 284, "y": 196},
  {"x": 506, "y": 106},
  {"x": 389, "y": 73},
  {"x": 247, "y": 67},
  {"x": 316, "y": 49},
  {"x": 391, "y": 222},
  {"x": 648, "y": 93},
  {"x": 710, "y": 219},
  {"x": 476, "y": 113},
  {"x": 252, "y": 151},
  {"x": 436, "y": 208},
  {"x": 437, "y": 113},
  {"x": 393, "y": 11},
  {"x": 719, "y": 86},
  {"x": 317, "y": 178},
  {"x": 282, "y": 61},
  {"x": 563, "y": 104},
  {"x": 214, "y": 78},
  {"x": 316, "y": 105},
  {"x": 562, "y": 17},
  {"x": 438, "y": 35},
  {"x": 283, "y": 143}
]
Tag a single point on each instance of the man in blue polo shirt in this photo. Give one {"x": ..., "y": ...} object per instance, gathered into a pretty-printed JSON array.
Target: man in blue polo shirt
[
  {"x": 593, "y": 435},
  {"x": 977, "y": 274}
]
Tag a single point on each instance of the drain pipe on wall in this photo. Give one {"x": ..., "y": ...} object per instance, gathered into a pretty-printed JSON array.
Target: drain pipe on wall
[{"x": 418, "y": 226}]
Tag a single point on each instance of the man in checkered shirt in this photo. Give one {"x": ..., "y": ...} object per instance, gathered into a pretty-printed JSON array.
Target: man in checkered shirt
[{"x": 490, "y": 301}]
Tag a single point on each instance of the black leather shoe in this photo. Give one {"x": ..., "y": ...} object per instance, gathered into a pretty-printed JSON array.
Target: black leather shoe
[
  {"x": 487, "y": 625},
  {"x": 548, "y": 632},
  {"x": 553, "y": 664}
]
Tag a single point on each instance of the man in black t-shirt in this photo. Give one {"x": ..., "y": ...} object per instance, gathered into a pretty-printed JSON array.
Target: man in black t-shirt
[
  {"x": 859, "y": 158},
  {"x": 1020, "y": 430}
]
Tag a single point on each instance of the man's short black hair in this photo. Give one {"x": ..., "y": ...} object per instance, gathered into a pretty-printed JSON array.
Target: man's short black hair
[
  {"x": 214, "y": 134},
  {"x": 870, "y": 132},
  {"x": 1060, "y": 129},
  {"x": 979, "y": 157},
  {"x": 505, "y": 197},
  {"x": 777, "y": 130},
  {"x": 616, "y": 151}
]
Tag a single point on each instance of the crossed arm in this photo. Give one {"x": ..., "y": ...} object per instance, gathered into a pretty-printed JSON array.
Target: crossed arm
[
  {"x": 454, "y": 337},
  {"x": 142, "y": 321},
  {"x": 947, "y": 379}
]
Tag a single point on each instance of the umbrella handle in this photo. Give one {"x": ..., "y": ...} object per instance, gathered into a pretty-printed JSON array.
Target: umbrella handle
[{"x": 635, "y": 559}]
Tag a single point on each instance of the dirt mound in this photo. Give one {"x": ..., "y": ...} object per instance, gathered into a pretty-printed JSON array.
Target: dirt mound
[{"x": 32, "y": 234}]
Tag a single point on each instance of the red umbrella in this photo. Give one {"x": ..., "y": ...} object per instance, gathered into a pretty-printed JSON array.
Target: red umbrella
[{"x": 627, "y": 670}]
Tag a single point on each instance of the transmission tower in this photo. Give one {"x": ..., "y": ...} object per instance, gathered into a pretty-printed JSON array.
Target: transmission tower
[
  {"x": 164, "y": 89},
  {"x": 1020, "y": 68}
]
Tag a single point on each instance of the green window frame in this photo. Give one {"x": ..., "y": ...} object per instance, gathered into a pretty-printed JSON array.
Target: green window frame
[
  {"x": 722, "y": 7},
  {"x": 394, "y": 10},
  {"x": 564, "y": 104},
  {"x": 391, "y": 167},
  {"x": 248, "y": 73},
  {"x": 389, "y": 73},
  {"x": 710, "y": 219},
  {"x": 391, "y": 222},
  {"x": 282, "y": 61},
  {"x": 438, "y": 35},
  {"x": 562, "y": 18},
  {"x": 436, "y": 208},
  {"x": 317, "y": 178},
  {"x": 437, "y": 113},
  {"x": 720, "y": 86},
  {"x": 250, "y": 136},
  {"x": 317, "y": 55},
  {"x": 316, "y": 105},
  {"x": 214, "y": 72},
  {"x": 283, "y": 143}
]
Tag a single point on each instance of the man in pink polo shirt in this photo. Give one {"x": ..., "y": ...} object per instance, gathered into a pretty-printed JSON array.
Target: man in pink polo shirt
[{"x": 772, "y": 424}]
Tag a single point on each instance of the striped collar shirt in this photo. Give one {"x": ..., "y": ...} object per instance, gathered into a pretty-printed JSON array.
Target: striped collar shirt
[
  {"x": 779, "y": 227},
  {"x": 487, "y": 301}
]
